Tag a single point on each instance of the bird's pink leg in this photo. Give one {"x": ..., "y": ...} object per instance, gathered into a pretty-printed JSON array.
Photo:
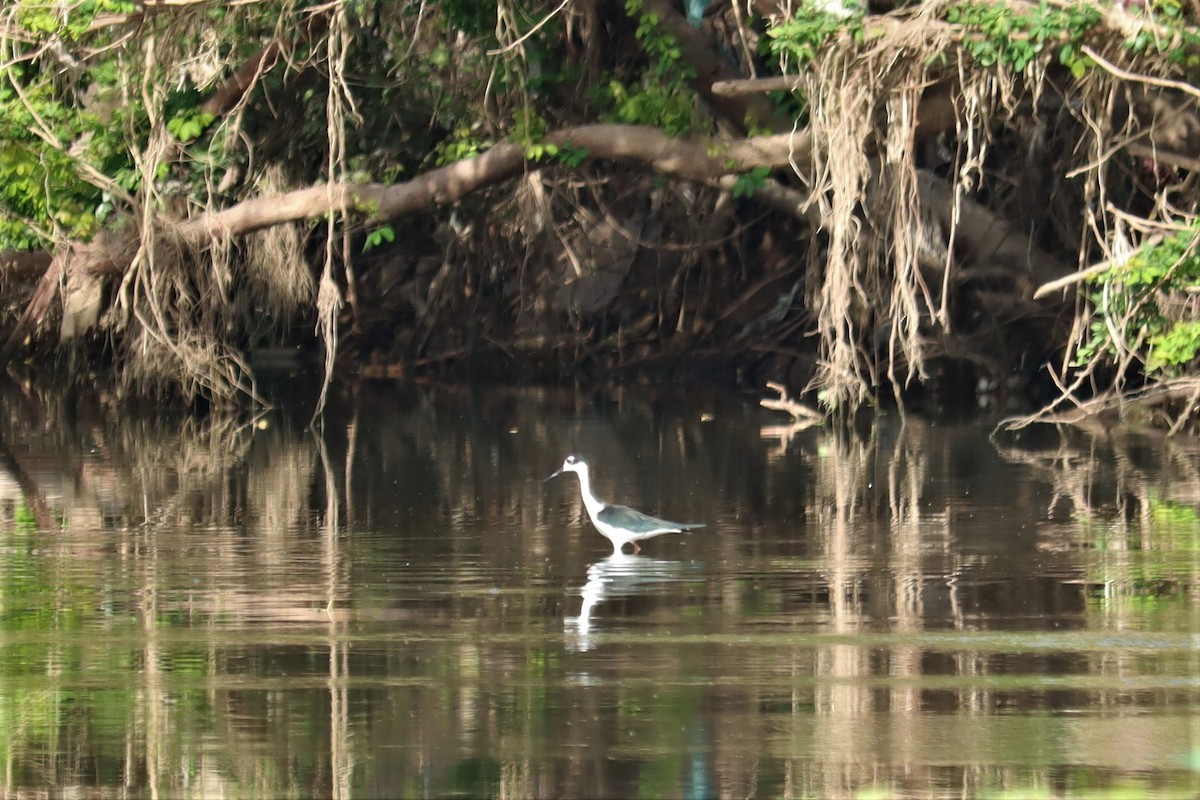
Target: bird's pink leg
[{"x": 636, "y": 549}]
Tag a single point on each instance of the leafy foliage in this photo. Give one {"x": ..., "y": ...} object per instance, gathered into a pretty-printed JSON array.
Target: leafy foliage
[
  {"x": 463, "y": 143},
  {"x": 56, "y": 120},
  {"x": 1181, "y": 47},
  {"x": 1175, "y": 348},
  {"x": 188, "y": 126},
  {"x": 748, "y": 183},
  {"x": 654, "y": 104},
  {"x": 663, "y": 98},
  {"x": 572, "y": 156},
  {"x": 998, "y": 33},
  {"x": 382, "y": 234},
  {"x": 529, "y": 130},
  {"x": 1148, "y": 305},
  {"x": 812, "y": 28}
]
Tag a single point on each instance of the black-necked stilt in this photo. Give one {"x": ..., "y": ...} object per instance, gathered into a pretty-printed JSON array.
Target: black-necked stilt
[{"x": 619, "y": 524}]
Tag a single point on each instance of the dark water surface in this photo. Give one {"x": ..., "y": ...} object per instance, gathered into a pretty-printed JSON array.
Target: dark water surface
[{"x": 398, "y": 606}]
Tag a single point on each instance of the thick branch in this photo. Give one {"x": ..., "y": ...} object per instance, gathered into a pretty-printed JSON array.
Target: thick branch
[
  {"x": 743, "y": 86},
  {"x": 715, "y": 162},
  {"x": 703, "y": 161}
]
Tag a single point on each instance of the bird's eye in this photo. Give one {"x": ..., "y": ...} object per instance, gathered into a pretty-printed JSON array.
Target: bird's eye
[{"x": 570, "y": 459}]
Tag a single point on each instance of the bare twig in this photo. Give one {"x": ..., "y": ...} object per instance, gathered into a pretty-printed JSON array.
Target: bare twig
[
  {"x": 530, "y": 32},
  {"x": 1090, "y": 272}
]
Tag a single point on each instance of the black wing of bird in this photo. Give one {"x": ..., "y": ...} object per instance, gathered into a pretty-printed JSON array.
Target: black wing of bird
[{"x": 635, "y": 521}]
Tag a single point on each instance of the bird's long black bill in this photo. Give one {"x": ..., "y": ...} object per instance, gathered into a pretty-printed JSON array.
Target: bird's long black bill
[{"x": 557, "y": 472}]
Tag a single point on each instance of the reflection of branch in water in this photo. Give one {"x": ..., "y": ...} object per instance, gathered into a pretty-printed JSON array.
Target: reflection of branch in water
[
  {"x": 1096, "y": 477},
  {"x": 1114, "y": 496},
  {"x": 1107, "y": 479},
  {"x": 911, "y": 531},
  {"x": 620, "y": 575},
  {"x": 121, "y": 470},
  {"x": 332, "y": 554},
  {"x": 1069, "y": 471}
]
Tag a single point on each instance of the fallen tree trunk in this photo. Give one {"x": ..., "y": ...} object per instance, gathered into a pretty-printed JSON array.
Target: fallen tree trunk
[{"x": 700, "y": 161}]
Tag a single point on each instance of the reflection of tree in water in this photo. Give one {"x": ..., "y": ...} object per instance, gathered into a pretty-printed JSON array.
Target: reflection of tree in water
[
  {"x": 99, "y": 470},
  {"x": 161, "y": 524},
  {"x": 1122, "y": 493},
  {"x": 893, "y": 547},
  {"x": 891, "y": 522},
  {"x": 853, "y": 551}
]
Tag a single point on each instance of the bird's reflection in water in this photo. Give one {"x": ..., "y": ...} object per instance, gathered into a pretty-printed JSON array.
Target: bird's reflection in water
[{"x": 619, "y": 575}]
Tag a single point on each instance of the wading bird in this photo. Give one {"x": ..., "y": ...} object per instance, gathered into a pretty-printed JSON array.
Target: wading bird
[{"x": 619, "y": 524}]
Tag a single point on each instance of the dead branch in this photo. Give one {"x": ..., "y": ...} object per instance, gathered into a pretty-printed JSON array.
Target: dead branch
[
  {"x": 743, "y": 86},
  {"x": 803, "y": 417},
  {"x": 1101, "y": 409},
  {"x": 800, "y": 412}
]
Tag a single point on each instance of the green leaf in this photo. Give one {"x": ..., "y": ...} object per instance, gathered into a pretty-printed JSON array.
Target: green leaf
[
  {"x": 189, "y": 125},
  {"x": 750, "y": 182},
  {"x": 375, "y": 238}
]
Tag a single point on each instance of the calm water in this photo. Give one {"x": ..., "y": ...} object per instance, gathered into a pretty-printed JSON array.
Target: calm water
[{"x": 398, "y": 606}]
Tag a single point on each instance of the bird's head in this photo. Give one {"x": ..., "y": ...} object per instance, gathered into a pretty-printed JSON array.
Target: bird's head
[{"x": 573, "y": 463}]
